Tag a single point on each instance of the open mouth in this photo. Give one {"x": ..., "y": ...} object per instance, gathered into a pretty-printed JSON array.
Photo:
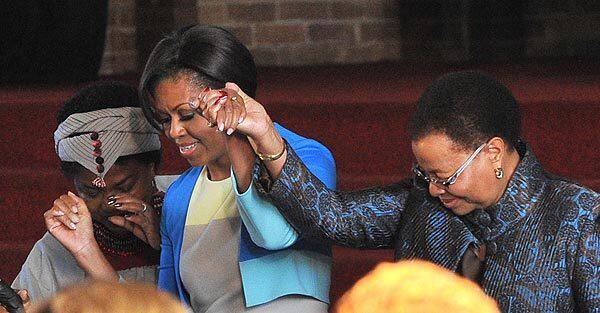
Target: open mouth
[{"x": 187, "y": 149}]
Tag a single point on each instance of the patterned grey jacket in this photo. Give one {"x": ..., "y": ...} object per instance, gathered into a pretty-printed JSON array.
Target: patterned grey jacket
[{"x": 542, "y": 237}]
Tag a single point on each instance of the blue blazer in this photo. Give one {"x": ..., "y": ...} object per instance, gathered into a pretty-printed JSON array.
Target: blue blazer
[{"x": 302, "y": 268}]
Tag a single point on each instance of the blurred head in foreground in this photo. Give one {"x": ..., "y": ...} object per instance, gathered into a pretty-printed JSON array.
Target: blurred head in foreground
[
  {"x": 104, "y": 297},
  {"x": 414, "y": 286}
]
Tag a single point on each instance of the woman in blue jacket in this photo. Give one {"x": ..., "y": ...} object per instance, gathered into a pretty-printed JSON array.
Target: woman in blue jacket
[{"x": 225, "y": 249}]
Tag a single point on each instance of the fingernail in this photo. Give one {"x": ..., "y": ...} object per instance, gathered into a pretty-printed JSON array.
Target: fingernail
[
  {"x": 127, "y": 215},
  {"x": 72, "y": 226},
  {"x": 220, "y": 100},
  {"x": 74, "y": 209},
  {"x": 111, "y": 202},
  {"x": 117, "y": 205},
  {"x": 60, "y": 213},
  {"x": 229, "y": 132},
  {"x": 112, "y": 198},
  {"x": 75, "y": 219},
  {"x": 221, "y": 126},
  {"x": 240, "y": 120}
]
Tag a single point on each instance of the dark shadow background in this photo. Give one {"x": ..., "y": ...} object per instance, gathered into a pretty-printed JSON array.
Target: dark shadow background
[{"x": 51, "y": 40}]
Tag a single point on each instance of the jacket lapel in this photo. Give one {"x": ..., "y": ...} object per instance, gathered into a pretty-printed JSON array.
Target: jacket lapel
[{"x": 446, "y": 236}]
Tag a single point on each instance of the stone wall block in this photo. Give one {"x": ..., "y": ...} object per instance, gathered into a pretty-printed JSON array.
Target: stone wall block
[
  {"x": 336, "y": 31},
  {"x": 278, "y": 34}
]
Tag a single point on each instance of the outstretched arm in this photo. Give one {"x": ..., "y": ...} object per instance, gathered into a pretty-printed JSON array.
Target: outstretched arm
[
  {"x": 266, "y": 226},
  {"x": 359, "y": 219},
  {"x": 365, "y": 219}
]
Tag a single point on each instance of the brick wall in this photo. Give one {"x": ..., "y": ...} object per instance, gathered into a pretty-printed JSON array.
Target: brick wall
[
  {"x": 120, "y": 50},
  {"x": 297, "y": 32},
  {"x": 306, "y": 32}
]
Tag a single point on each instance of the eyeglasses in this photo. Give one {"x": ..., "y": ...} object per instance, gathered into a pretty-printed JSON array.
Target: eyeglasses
[{"x": 450, "y": 180}]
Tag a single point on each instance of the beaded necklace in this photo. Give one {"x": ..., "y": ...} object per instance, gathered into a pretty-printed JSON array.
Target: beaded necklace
[
  {"x": 111, "y": 244},
  {"x": 131, "y": 245}
]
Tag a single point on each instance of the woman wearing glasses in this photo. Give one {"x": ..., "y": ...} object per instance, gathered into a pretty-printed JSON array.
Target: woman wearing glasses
[{"x": 480, "y": 203}]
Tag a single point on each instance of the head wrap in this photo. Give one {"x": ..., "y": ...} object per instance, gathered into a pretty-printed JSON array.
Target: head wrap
[{"x": 97, "y": 139}]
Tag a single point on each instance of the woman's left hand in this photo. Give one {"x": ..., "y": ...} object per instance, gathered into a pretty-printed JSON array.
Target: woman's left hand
[
  {"x": 234, "y": 111},
  {"x": 141, "y": 219},
  {"x": 231, "y": 110}
]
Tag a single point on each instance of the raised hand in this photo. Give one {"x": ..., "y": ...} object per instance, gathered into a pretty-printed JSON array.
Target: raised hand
[
  {"x": 232, "y": 110},
  {"x": 223, "y": 108},
  {"x": 70, "y": 222},
  {"x": 142, "y": 218}
]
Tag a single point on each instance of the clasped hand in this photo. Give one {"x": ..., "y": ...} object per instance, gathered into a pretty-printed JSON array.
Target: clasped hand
[{"x": 231, "y": 110}]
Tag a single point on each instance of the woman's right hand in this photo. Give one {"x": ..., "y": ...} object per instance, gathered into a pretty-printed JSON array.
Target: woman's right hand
[
  {"x": 142, "y": 219},
  {"x": 70, "y": 222}
]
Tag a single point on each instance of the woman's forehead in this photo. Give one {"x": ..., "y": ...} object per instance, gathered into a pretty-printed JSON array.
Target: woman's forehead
[
  {"x": 171, "y": 94},
  {"x": 437, "y": 152},
  {"x": 117, "y": 173},
  {"x": 438, "y": 142}
]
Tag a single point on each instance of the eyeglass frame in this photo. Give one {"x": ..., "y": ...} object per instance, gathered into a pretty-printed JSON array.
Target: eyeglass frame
[{"x": 452, "y": 179}]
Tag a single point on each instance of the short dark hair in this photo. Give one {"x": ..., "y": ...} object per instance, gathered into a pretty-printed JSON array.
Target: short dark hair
[
  {"x": 469, "y": 107},
  {"x": 98, "y": 96},
  {"x": 211, "y": 54}
]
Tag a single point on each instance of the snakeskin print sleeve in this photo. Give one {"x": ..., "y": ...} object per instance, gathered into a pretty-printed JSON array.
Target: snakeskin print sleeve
[
  {"x": 360, "y": 219},
  {"x": 586, "y": 272}
]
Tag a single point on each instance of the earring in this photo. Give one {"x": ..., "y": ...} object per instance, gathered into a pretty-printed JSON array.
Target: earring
[{"x": 499, "y": 173}]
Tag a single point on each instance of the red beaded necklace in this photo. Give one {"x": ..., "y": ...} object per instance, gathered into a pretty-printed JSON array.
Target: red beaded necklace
[{"x": 111, "y": 244}]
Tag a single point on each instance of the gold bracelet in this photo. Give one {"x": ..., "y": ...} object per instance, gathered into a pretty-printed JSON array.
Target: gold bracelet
[{"x": 272, "y": 157}]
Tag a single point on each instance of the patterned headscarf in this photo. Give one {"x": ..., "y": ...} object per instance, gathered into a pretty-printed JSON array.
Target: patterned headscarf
[{"x": 97, "y": 139}]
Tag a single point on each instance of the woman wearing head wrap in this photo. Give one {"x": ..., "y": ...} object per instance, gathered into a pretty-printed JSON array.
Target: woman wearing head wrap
[
  {"x": 225, "y": 249},
  {"x": 109, "y": 230},
  {"x": 480, "y": 203}
]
